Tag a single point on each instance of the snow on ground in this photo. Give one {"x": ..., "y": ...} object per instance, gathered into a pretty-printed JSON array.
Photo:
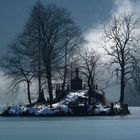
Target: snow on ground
[
  {"x": 117, "y": 106},
  {"x": 101, "y": 109},
  {"x": 72, "y": 96},
  {"x": 61, "y": 106},
  {"x": 37, "y": 110}
]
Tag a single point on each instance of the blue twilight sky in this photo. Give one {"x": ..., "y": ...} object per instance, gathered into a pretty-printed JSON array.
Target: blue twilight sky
[
  {"x": 86, "y": 13},
  {"x": 14, "y": 13}
]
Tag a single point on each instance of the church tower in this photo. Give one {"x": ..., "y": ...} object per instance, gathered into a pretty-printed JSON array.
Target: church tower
[{"x": 76, "y": 83}]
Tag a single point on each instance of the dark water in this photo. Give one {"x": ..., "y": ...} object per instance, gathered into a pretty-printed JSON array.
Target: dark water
[{"x": 72, "y": 128}]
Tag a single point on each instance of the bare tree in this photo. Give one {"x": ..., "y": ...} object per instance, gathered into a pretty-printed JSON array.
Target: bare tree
[
  {"x": 73, "y": 40},
  {"x": 62, "y": 36},
  {"x": 90, "y": 67},
  {"x": 17, "y": 68},
  {"x": 121, "y": 44},
  {"x": 49, "y": 36},
  {"x": 93, "y": 71},
  {"x": 32, "y": 40}
]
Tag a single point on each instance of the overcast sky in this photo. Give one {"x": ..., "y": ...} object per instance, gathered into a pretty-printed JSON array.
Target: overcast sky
[
  {"x": 89, "y": 15},
  {"x": 14, "y": 13}
]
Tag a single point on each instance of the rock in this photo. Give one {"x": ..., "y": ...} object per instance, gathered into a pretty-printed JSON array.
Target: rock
[{"x": 125, "y": 110}]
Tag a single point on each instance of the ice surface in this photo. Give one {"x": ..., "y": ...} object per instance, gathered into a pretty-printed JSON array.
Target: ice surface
[{"x": 71, "y": 128}]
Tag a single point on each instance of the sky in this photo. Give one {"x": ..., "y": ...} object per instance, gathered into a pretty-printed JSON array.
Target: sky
[
  {"x": 14, "y": 14},
  {"x": 89, "y": 15}
]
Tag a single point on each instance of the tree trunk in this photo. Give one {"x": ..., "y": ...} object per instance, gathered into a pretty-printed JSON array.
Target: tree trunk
[
  {"x": 40, "y": 96},
  {"x": 39, "y": 90},
  {"x": 64, "y": 78},
  {"x": 89, "y": 96},
  {"x": 50, "y": 89},
  {"x": 47, "y": 63},
  {"x": 49, "y": 80},
  {"x": 64, "y": 81},
  {"x": 65, "y": 69},
  {"x": 29, "y": 94},
  {"x": 122, "y": 87}
]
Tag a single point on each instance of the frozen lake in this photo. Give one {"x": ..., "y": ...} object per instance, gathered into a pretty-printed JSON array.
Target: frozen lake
[{"x": 71, "y": 128}]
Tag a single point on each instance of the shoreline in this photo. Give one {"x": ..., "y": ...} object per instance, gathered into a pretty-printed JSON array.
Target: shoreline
[{"x": 69, "y": 114}]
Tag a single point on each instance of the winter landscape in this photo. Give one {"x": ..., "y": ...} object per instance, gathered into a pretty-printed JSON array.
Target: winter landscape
[{"x": 70, "y": 70}]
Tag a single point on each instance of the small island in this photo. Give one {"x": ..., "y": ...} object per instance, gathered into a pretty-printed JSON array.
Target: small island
[
  {"x": 60, "y": 71},
  {"x": 74, "y": 101}
]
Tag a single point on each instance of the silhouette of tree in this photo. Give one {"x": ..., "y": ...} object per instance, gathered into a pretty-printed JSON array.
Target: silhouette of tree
[
  {"x": 32, "y": 40},
  {"x": 18, "y": 69},
  {"x": 90, "y": 67},
  {"x": 72, "y": 41},
  {"x": 121, "y": 45},
  {"x": 49, "y": 37}
]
